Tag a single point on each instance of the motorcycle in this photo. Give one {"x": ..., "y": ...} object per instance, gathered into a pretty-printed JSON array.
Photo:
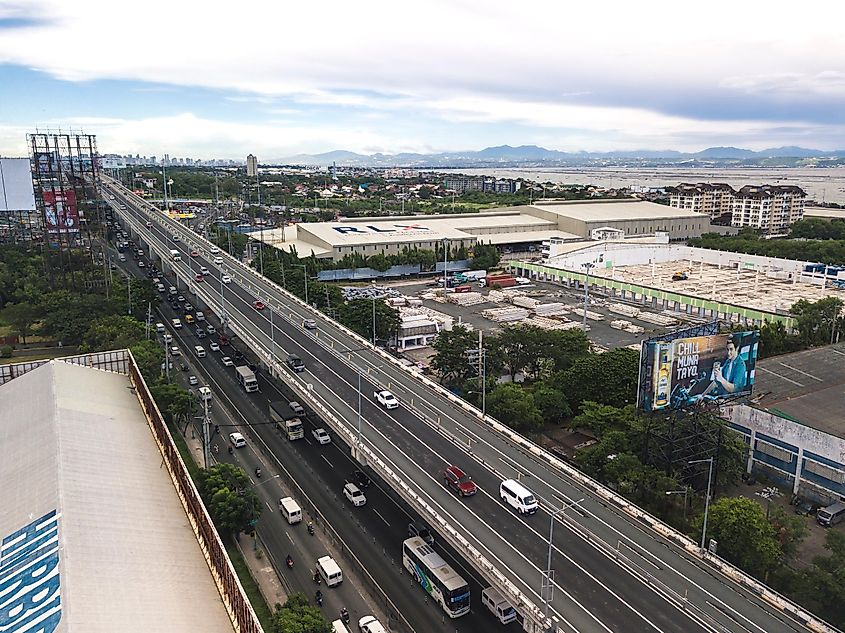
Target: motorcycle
[
  {"x": 319, "y": 598},
  {"x": 311, "y": 528},
  {"x": 317, "y": 577},
  {"x": 289, "y": 561},
  {"x": 231, "y": 450},
  {"x": 344, "y": 615},
  {"x": 258, "y": 473}
]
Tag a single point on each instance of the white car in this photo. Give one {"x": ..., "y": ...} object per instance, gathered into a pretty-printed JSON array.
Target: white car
[
  {"x": 237, "y": 440},
  {"x": 168, "y": 338},
  {"x": 175, "y": 351},
  {"x": 386, "y": 399},
  {"x": 204, "y": 270},
  {"x": 215, "y": 347},
  {"x": 354, "y": 494},
  {"x": 218, "y": 261},
  {"x": 192, "y": 380},
  {"x": 226, "y": 279},
  {"x": 214, "y": 250},
  {"x": 369, "y": 624},
  {"x": 141, "y": 265},
  {"x": 321, "y": 435},
  {"x": 227, "y": 361}
]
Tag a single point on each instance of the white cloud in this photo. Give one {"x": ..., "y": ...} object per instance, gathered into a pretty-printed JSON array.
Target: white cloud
[{"x": 535, "y": 63}]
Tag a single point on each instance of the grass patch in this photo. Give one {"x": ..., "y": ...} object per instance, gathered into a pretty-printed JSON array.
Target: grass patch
[
  {"x": 25, "y": 358},
  {"x": 256, "y": 598},
  {"x": 185, "y": 452}
]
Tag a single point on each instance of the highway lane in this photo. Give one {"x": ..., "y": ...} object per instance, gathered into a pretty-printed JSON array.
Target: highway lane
[
  {"x": 547, "y": 483},
  {"x": 616, "y": 611}
]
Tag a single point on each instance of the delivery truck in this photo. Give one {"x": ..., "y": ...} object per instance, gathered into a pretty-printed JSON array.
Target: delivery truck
[
  {"x": 289, "y": 425},
  {"x": 247, "y": 378}
]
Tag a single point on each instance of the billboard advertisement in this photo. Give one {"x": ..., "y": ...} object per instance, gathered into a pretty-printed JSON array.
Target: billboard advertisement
[
  {"x": 681, "y": 372},
  {"x": 60, "y": 212},
  {"x": 16, "y": 192}
]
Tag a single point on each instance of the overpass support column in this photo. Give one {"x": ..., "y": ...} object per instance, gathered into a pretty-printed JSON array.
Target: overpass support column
[{"x": 797, "y": 483}]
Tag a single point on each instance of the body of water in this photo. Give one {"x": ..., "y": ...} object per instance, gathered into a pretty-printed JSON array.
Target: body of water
[{"x": 821, "y": 185}]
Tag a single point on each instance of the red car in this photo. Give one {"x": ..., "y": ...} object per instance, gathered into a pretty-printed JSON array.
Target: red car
[
  {"x": 199, "y": 277},
  {"x": 457, "y": 480},
  {"x": 258, "y": 305},
  {"x": 195, "y": 253}
]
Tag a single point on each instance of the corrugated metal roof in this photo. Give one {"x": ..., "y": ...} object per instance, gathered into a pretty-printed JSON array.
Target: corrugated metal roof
[{"x": 77, "y": 450}]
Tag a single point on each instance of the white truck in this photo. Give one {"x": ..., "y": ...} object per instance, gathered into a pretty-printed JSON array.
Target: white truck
[
  {"x": 247, "y": 378},
  {"x": 493, "y": 599},
  {"x": 474, "y": 275},
  {"x": 291, "y": 426},
  {"x": 175, "y": 256}
]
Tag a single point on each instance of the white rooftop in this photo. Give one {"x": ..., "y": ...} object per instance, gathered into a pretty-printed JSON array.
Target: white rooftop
[
  {"x": 76, "y": 446},
  {"x": 591, "y": 211}
]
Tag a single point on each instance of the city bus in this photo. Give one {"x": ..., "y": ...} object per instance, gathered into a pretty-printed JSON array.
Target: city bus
[{"x": 441, "y": 582}]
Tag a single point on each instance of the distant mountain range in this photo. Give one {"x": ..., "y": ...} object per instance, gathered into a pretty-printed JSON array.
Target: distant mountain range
[{"x": 534, "y": 156}]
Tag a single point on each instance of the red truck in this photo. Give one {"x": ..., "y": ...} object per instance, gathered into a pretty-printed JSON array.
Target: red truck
[{"x": 503, "y": 281}]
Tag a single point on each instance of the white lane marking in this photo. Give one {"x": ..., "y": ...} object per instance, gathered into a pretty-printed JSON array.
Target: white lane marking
[
  {"x": 381, "y": 517},
  {"x": 326, "y": 460},
  {"x": 795, "y": 369},
  {"x": 781, "y": 376}
]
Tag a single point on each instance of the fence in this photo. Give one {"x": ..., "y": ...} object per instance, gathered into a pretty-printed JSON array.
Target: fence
[{"x": 116, "y": 361}]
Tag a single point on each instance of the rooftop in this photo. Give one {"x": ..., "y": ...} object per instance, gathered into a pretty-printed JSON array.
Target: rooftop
[
  {"x": 617, "y": 210},
  {"x": 805, "y": 386},
  {"x": 75, "y": 443}
]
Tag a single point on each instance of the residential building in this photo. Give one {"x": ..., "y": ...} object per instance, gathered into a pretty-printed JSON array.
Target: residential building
[
  {"x": 713, "y": 199},
  {"x": 769, "y": 208},
  {"x": 462, "y": 184},
  {"x": 251, "y": 166}
]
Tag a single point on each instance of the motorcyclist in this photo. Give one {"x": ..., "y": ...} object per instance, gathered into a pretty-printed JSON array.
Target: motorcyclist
[
  {"x": 316, "y": 576},
  {"x": 344, "y": 615},
  {"x": 319, "y": 597},
  {"x": 289, "y": 560},
  {"x": 310, "y": 528},
  {"x": 257, "y": 472}
]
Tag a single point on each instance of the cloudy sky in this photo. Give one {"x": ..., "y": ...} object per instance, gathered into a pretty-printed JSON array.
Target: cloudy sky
[{"x": 207, "y": 79}]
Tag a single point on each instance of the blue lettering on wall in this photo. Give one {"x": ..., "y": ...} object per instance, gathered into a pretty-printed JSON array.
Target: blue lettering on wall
[
  {"x": 375, "y": 229},
  {"x": 347, "y": 229},
  {"x": 30, "y": 599}
]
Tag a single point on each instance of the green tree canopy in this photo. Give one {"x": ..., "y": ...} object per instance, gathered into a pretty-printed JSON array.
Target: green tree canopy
[
  {"x": 514, "y": 406},
  {"x": 609, "y": 378},
  {"x": 450, "y": 355},
  {"x": 745, "y": 536},
  {"x": 226, "y": 491},
  {"x": 21, "y": 317},
  {"x": 357, "y": 315},
  {"x": 297, "y": 615},
  {"x": 485, "y": 257},
  {"x": 112, "y": 332}
]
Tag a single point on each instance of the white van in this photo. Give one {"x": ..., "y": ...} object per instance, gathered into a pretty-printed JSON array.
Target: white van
[
  {"x": 518, "y": 497},
  {"x": 330, "y": 571},
  {"x": 493, "y": 599},
  {"x": 290, "y": 510},
  {"x": 831, "y": 515},
  {"x": 199, "y": 316},
  {"x": 160, "y": 328},
  {"x": 177, "y": 323},
  {"x": 339, "y": 627},
  {"x": 200, "y": 351},
  {"x": 205, "y": 394}
]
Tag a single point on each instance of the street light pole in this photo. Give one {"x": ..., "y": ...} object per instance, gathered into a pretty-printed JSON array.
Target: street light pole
[
  {"x": 445, "y": 263},
  {"x": 360, "y": 440},
  {"x": 707, "y": 498},
  {"x": 374, "y": 314},
  {"x": 588, "y": 266},
  {"x": 547, "y": 595}
]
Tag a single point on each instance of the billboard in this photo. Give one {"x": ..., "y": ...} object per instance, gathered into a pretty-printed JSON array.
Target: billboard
[
  {"x": 60, "y": 212},
  {"x": 683, "y": 371},
  {"x": 16, "y": 185}
]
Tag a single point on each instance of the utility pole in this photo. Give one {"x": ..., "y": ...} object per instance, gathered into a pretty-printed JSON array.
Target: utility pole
[
  {"x": 206, "y": 436},
  {"x": 149, "y": 318}
]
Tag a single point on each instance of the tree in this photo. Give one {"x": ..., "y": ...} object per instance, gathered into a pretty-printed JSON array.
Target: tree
[
  {"x": 68, "y": 316},
  {"x": 816, "y": 320},
  {"x": 551, "y": 403},
  {"x": 112, "y": 332},
  {"x": 514, "y": 406},
  {"x": 790, "y": 530},
  {"x": 182, "y": 408},
  {"x": 485, "y": 257},
  {"x": 226, "y": 491},
  {"x": 450, "y": 355},
  {"x": 149, "y": 357},
  {"x": 745, "y": 536},
  {"x": 357, "y": 315},
  {"x": 601, "y": 418},
  {"x": 297, "y": 615},
  {"x": 609, "y": 378},
  {"x": 20, "y": 317}
]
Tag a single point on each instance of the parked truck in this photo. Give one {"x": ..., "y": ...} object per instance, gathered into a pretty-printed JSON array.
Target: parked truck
[
  {"x": 247, "y": 378},
  {"x": 501, "y": 608},
  {"x": 175, "y": 256},
  {"x": 290, "y": 425},
  {"x": 503, "y": 281}
]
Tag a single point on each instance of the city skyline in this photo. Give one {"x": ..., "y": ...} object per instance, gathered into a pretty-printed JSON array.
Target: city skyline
[{"x": 451, "y": 77}]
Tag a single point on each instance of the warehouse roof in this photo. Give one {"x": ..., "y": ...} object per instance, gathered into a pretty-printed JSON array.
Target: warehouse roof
[
  {"x": 82, "y": 473},
  {"x": 618, "y": 210}
]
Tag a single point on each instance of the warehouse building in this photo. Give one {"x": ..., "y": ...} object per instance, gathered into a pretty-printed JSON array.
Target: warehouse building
[{"x": 524, "y": 227}]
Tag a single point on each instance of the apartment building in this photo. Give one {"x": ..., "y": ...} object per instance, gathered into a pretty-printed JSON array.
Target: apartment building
[
  {"x": 769, "y": 208},
  {"x": 461, "y": 184},
  {"x": 713, "y": 199}
]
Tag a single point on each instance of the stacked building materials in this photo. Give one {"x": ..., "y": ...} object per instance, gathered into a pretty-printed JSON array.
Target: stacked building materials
[
  {"x": 657, "y": 319},
  {"x": 550, "y": 309},
  {"x": 466, "y": 298},
  {"x": 505, "y": 315},
  {"x": 549, "y": 324},
  {"x": 595, "y": 316},
  {"x": 624, "y": 310},
  {"x": 525, "y": 302},
  {"x": 496, "y": 296},
  {"x": 621, "y": 324}
]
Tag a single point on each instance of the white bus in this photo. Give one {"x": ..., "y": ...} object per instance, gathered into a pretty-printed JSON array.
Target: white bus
[{"x": 441, "y": 582}]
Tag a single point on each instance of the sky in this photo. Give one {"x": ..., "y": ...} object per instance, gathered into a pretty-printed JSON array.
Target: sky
[{"x": 209, "y": 79}]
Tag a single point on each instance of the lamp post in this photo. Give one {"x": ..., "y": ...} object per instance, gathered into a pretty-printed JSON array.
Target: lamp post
[
  {"x": 547, "y": 575},
  {"x": 684, "y": 492},
  {"x": 445, "y": 260},
  {"x": 587, "y": 266},
  {"x": 707, "y": 498},
  {"x": 305, "y": 275},
  {"x": 374, "y": 313}
]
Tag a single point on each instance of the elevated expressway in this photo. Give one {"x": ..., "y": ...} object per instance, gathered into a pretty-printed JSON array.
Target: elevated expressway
[{"x": 615, "y": 567}]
